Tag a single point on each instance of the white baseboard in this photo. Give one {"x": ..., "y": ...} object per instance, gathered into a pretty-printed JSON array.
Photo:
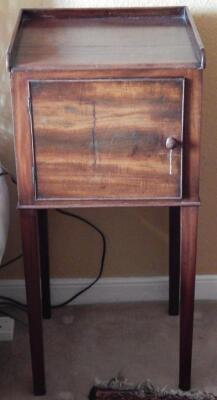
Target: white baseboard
[{"x": 110, "y": 290}]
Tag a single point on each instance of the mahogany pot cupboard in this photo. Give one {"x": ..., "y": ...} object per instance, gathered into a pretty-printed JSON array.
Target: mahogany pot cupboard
[{"x": 107, "y": 113}]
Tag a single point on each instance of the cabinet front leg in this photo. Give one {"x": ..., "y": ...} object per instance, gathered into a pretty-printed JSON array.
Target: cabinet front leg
[
  {"x": 174, "y": 259},
  {"x": 44, "y": 262},
  {"x": 189, "y": 219},
  {"x": 29, "y": 230}
]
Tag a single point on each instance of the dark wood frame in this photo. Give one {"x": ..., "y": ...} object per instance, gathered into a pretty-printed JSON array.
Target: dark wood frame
[
  {"x": 30, "y": 240},
  {"x": 44, "y": 262},
  {"x": 182, "y": 12},
  {"x": 71, "y": 200},
  {"x": 183, "y": 223},
  {"x": 25, "y": 171},
  {"x": 183, "y": 212},
  {"x": 174, "y": 259}
]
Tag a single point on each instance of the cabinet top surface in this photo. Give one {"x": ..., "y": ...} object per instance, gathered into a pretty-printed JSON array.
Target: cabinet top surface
[{"x": 105, "y": 38}]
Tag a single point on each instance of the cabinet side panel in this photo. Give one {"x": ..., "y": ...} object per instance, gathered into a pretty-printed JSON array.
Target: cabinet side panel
[
  {"x": 22, "y": 137},
  {"x": 192, "y": 128}
]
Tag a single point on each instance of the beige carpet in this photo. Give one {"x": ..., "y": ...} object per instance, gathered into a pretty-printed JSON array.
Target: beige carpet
[{"x": 84, "y": 343}]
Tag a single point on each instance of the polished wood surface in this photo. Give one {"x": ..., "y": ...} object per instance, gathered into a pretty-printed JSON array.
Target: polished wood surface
[
  {"x": 174, "y": 260},
  {"x": 44, "y": 262},
  {"x": 100, "y": 99},
  {"x": 189, "y": 220},
  {"x": 107, "y": 139},
  {"x": 30, "y": 240},
  {"x": 162, "y": 37},
  {"x": 22, "y": 106}
]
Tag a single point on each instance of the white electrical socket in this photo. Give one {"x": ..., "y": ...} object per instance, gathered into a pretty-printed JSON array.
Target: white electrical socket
[{"x": 6, "y": 329}]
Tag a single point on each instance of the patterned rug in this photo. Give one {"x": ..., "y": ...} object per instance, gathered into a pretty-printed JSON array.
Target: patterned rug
[{"x": 117, "y": 389}]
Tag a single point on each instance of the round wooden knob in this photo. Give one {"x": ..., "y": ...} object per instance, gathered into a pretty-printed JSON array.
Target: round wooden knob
[{"x": 171, "y": 143}]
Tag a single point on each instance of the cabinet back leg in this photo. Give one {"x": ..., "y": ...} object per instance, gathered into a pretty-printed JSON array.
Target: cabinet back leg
[{"x": 44, "y": 263}]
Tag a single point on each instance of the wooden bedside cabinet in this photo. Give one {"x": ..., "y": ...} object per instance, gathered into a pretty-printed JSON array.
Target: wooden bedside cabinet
[{"x": 107, "y": 109}]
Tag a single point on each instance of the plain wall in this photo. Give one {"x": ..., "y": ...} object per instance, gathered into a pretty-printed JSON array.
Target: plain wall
[{"x": 137, "y": 239}]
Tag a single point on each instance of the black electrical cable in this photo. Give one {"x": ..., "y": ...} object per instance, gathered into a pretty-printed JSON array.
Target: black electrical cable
[
  {"x": 6, "y": 172},
  {"x": 12, "y": 260},
  {"x": 72, "y": 298},
  {"x": 7, "y": 301},
  {"x": 7, "y": 314},
  {"x": 21, "y": 306},
  {"x": 3, "y": 173}
]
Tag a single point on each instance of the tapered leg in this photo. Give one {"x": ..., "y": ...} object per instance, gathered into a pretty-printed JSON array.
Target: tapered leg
[
  {"x": 174, "y": 259},
  {"x": 29, "y": 230},
  {"x": 189, "y": 218},
  {"x": 44, "y": 262}
]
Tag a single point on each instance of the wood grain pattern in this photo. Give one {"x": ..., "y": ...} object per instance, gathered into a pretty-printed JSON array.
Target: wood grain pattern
[
  {"x": 23, "y": 143},
  {"x": 11, "y": 51},
  {"x": 96, "y": 93},
  {"x": 114, "y": 38},
  {"x": 192, "y": 127},
  {"x": 23, "y": 140},
  {"x": 107, "y": 138},
  {"x": 101, "y": 203},
  {"x": 194, "y": 34}
]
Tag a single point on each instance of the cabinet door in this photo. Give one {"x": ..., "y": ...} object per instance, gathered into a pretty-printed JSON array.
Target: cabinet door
[{"x": 106, "y": 139}]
